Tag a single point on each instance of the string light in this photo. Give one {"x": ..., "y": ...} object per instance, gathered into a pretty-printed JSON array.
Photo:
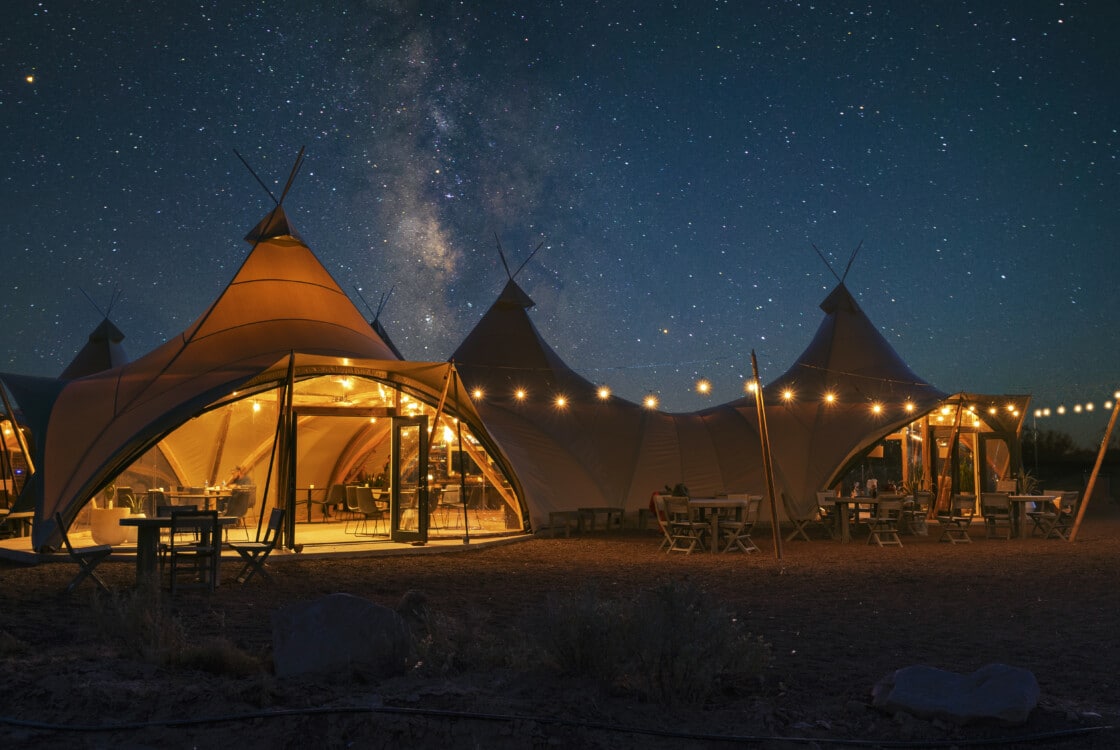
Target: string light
[
  {"x": 520, "y": 394},
  {"x": 787, "y": 395},
  {"x": 561, "y": 402},
  {"x": 703, "y": 386},
  {"x": 604, "y": 393},
  {"x": 650, "y": 401}
]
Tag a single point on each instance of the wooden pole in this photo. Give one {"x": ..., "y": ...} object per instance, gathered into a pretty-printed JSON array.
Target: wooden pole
[
  {"x": 1096, "y": 470},
  {"x": 767, "y": 465}
]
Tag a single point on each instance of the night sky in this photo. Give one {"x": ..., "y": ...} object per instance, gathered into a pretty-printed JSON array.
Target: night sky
[{"x": 679, "y": 161}]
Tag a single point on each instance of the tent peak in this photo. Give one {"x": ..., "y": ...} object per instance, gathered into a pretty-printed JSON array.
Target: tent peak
[{"x": 274, "y": 225}]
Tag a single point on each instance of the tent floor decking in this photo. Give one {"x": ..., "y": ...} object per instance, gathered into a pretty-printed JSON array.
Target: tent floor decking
[{"x": 312, "y": 540}]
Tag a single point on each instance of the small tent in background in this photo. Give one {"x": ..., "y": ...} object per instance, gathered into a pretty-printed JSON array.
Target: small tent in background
[
  {"x": 375, "y": 323},
  {"x": 103, "y": 351}
]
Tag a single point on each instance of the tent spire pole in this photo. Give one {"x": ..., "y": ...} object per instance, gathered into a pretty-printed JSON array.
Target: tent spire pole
[
  {"x": 1096, "y": 470},
  {"x": 462, "y": 468},
  {"x": 767, "y": 464}
]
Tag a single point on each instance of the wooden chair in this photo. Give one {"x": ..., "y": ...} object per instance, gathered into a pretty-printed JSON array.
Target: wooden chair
[
  {"x": 884, "y": 523},
  {"x": 735, "y": 533},
  {"x": 915, "y": 512},
  {"x": 1055, "y": 520},
  {"x": 685, "y": 532},
  {"x": 256, "y": 553},
  {"x": 197, "y": 558},
  {"x": 801, "y": 519},
  {"x": 662, "y": 521},
  {"x": 995, "y": 507},
  {"x": 956, "y": 519},
  {"x": 241, "y": 499},
  {"x": 87, "y": 558},
  {"x": 827, "y": 510}
]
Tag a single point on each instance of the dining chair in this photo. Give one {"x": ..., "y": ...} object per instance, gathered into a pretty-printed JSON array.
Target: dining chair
[
  {"x": 917, "y": 513},
  {"x": 827, "y": 511},
  {"x": 956, "y": 519},
  {"x": 685, "y": 532},
  {"x": 256, "y": 553},
  {"x": 735, "y": 532},
  {"x": 1055, "y": 520},
  {"x": 194, "y": 559},
  {"x": 884, "y": 523},
  {"x": 662, "y": 516},
  {"x": 241, "y": 498},
  {"x": 995, "y": 507},
  {"x": 87, "y": 558},
  {"x": 370, "y": 509}
]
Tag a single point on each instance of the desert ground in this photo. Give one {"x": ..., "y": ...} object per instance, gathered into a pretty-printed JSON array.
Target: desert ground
[{"x": 835, "y": 618}]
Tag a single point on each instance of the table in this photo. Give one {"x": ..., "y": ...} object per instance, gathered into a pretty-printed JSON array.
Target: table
[
  {"x": 192, "y": 498},
  {"x": 1019, "y": 503},
  {"x": 844, "y": 527},
  {"x": 147, "y": 542},
  {"x": 715, "y": 507},
  {"x": 19, "y": 523}
]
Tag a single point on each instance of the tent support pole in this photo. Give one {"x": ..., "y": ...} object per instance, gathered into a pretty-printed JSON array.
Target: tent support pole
[
  {"x": 767, "y": 465},
  {"x": 1096, "y": 470}
]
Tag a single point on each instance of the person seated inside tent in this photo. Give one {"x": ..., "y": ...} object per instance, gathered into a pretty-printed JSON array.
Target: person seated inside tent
[{"x": 239, "y": 476}]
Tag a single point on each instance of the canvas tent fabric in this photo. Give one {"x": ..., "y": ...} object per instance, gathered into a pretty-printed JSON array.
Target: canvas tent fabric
[
  {"x": 102, "y": 351},
  {"x": 281, "y": 304},
  {"x": 616, "y": 453},
  {"x": 590, "y": 452}
]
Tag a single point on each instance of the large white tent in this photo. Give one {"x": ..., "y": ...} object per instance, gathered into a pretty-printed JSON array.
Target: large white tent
[{"x": 281, "y": 317}]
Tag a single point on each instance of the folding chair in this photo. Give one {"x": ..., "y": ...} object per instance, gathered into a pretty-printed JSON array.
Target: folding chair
[
  {"x": 736, "y": 533},
  {"x": 685, "y": 532},
  {"x": 195, "y": 558},
  {"x": 256, "y": 553},
  {"x": 1055, "y": 521},
  {"x": 996, "y": 509},
  {"x": 884, "y": 524},
  {"x": 956, "y": 520},
  {"x": 662, "y": 521},
  {"x": 87, "y": 558}
]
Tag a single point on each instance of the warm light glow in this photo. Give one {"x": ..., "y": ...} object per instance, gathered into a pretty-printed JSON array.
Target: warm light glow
[
  {"x": 520, "y": 394},
  {"x": 476, "y": 394},
  {"x": 1089, "y": 406},
  {"x": 256, "y": 406},
  {"x": 30, "y": 79},
  {"x": 448, "y": 435},
  {"x": 1046, "y": 412},
  {"x": 346, "y": 383},
  {"x": 1108, "y": 404},
  {"x": 992, "y": 410},
  {"x": 1011, "y": 407},
  {"x": 1077, "y": 408},
  {"x": 910, "y": 407},
  {"x": 1037, "y": 413},
  {"x": 945, "y": 410},
  {"x": 876, "y": 408},
  {"x": 787, "y": 395},
  {"x": 561, "y": 402},
  {"x": 830, "y": 398},
  {"x": 604, "y": 393},
  {"x": 751, "y": 386},
  {"x": 650, "y": 401},
  {"x": 1061, "y": 409},
  {"x": 703, "y": 386}
]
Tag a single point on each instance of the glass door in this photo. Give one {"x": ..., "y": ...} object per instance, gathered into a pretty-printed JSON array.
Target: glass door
[{"x": 408, "y": 500}]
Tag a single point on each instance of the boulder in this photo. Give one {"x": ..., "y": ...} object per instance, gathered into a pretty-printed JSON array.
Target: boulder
[
  {"x": 994, "y": 693},
  {"x": 340, "y": 635}
]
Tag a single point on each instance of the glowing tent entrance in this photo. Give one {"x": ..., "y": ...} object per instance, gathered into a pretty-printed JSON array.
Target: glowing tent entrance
[{"x": 352, "y": 458}]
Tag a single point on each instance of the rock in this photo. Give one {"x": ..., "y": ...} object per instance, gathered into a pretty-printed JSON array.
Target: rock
[
  {"x": 339, "y": 635},
  {"x": 995, "y": 692}
]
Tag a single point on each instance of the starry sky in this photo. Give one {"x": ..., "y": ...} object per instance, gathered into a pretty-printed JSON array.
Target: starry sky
[{"x": 679, "y": 161}]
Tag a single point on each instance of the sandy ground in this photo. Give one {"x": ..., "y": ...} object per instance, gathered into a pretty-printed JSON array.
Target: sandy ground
[{"x": 838, "y": 618}]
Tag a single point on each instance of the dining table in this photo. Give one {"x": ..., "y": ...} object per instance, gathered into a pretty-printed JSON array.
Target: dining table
[
  {"x": 843, "y": 504},
  {"x": 148, "y": 529},
  {"x": 202, "y": 500},
  {"x": 712, "y": 509},
  {"x": 1019, "y": 503}
]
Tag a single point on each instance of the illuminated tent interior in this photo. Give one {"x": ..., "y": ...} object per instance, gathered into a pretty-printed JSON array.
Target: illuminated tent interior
[{"x": 184, "y": 415}]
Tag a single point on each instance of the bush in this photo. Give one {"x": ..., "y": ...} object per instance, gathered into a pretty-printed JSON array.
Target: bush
[{"x": 671, "y": 644}]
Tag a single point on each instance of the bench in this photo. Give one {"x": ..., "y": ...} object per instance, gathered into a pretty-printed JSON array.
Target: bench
[
  {"x": 563, "y": 520},
  {"x": 611, "y": 517}
]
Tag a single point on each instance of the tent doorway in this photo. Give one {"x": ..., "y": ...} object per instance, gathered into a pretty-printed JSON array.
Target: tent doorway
[{"x": 408, "y": 496}]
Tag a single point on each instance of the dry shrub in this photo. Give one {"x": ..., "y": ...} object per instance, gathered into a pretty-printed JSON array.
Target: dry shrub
[
  {"x": 672, "y": 644},
  {"x": 140, "y": 624}
]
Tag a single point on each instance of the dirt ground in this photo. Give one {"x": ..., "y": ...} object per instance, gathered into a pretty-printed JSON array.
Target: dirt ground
[{"x": 838, "y": 618}]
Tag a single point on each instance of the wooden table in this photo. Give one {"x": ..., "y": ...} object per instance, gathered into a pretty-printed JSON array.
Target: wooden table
[
  {"x": 199, "y": 498},
  {"x": 1019, "y": 503},
  {"x": 843, "y": 526},
  {"x": 147, "y": 543},
  {"x": 713, "y": 508}
]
